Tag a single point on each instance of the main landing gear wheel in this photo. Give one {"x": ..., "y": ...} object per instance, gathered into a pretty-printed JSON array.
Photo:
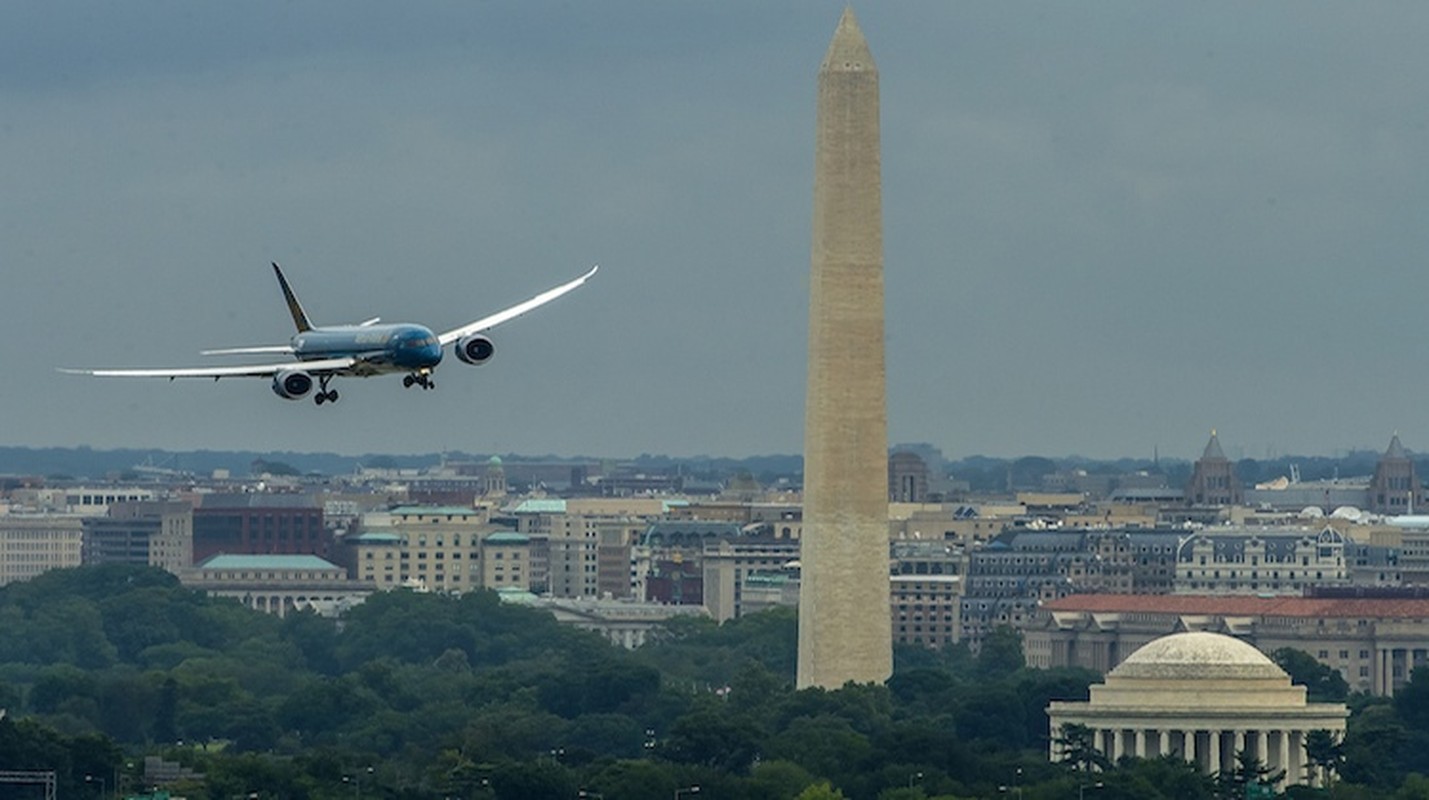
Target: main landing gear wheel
[{"x": 325, "y": 395}]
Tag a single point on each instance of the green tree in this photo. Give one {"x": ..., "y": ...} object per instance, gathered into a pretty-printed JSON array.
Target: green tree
[
  {"x": 1077, "y": 745},
  {"x": 1323, "y": 684},
  {"x": 60, "y": 683},
  {"x": 996, "y": 713},
  {"x": 778, "y": 779},
  {"x": 1001, "y": 652},
  {"x": 825, "y": 745},
  {"x": 1248, "y": 777},
  {"x": 1411, "y": 701},
  {"x": 820, "y": 791},
  {"x": 165, "y": 728},
  {"x": 636, "y": 780},
  {"x": 1325, "y": 751},
  {"x": 1028, "y": 472},
  {"x": 709, "y": 736},
  {"x": 1373, "y": 748},
  {"x": 534, "y": 780}
]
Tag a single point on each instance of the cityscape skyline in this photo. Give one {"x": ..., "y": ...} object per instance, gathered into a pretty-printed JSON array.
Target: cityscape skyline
[{"x": 1101, "y": 245}]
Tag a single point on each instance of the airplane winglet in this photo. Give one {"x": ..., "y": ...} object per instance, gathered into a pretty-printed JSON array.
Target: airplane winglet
[{"x": 300, "y": 317}]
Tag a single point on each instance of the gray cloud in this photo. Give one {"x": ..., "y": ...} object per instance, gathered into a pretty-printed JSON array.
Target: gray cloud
[{"x": 1107, "y": 227}]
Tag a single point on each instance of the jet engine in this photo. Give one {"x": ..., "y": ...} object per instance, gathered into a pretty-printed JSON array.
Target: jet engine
[
  {"x": 474, "y": 349},
  {"x": 292, "y": 384}
]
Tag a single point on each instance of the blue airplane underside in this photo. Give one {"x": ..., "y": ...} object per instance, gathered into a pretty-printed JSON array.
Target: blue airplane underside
[{"x": 387, "y": 348}]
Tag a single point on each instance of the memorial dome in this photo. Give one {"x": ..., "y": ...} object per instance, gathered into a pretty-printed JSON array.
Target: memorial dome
[{"x": 1199, "y": 655}]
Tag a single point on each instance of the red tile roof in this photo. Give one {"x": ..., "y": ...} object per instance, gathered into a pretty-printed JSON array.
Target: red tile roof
[{"x": 1245, "y": 605}]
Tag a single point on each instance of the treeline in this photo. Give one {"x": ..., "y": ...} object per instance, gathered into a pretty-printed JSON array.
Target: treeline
[{"x": 428, "y": 696}]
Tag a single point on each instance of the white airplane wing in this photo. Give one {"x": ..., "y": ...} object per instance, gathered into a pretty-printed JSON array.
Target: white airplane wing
[
  {"x": 514, "y": 311},
  {"x": 248, "y": 351},
  {"x": 318, "y": 367}
]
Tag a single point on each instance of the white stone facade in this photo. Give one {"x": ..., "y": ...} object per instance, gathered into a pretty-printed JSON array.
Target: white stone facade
[{"x": 1202, "y": 697}]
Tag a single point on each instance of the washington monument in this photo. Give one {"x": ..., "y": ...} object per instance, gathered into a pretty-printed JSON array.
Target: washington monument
[{"x": 844, "y": 625}]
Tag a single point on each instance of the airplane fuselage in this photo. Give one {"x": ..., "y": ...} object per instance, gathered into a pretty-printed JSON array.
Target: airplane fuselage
[{"x": 381, "y": 348}]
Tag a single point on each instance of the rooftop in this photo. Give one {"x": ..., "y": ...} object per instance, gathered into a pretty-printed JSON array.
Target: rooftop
[
  {"x": 1199, "y": 655},
  {"x": 1246, "y": 605},
  {"x": 541, "y": 506},
  {"x": 434, "y": 511},
  {"x": 256, "y": 562}
]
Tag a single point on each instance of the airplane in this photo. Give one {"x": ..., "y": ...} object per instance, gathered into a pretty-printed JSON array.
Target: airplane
[{"x": 321, "y": 353}]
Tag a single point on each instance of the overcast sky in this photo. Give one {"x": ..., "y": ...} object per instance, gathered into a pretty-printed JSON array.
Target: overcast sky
[{"x": 1109, "y": 227}]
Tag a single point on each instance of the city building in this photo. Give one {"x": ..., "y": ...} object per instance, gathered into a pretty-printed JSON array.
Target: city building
[
  {"x": 31, "y": 544},
  {"x": 567, "y": 538},
  {"x": 925, "y": 590},
  {"x": 627, "y": 623},
  {"x": 1374, "y": 639},
  {"x": 1213, "y": 479},
  {"x": 505, "y": 559},
  {"x": 1011, "y": 576},
  {"x": 258, "y": 523},
  {"x": 1395, "y": 486},
  {"x": 729, "y": 564},
  {"x": 153, "y": 533},
  {"x": 279, "y": 584},
  {"x": 1203, "y": 698},
  {"x": 1270, "y": 560},
  {"x": 1284, "y": 494},
  {"x": 907, "y": 478},
  {"x": 434, "y": 547},
  {"x": 81, "y": 500}
]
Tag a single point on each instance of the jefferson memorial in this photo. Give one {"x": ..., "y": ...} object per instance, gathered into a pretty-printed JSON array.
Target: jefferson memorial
[{"x": 1202, "y": 697}]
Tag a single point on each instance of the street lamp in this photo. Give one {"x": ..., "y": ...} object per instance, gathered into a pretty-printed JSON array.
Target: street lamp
[
  {"x": 99, "y": 780},
  {"x": 590, "y": 795},
  {"x": 1082, "y": 789},
  {"x": 916, "y": 776},
  {"x": 686, "y": 790},
  {"x": 356, "y": 780}
]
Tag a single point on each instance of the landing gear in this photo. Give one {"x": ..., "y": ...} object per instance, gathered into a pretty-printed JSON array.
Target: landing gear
[
  {"x": 422, "y": 379},
  {"x": 324, "y": 394}
]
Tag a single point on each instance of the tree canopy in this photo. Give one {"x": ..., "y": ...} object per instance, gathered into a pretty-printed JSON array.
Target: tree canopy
[{"x": 469, "y": 697}]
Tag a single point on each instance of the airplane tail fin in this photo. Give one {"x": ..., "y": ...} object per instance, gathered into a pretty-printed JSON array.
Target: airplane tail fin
[{"x": 300, "y": 317}]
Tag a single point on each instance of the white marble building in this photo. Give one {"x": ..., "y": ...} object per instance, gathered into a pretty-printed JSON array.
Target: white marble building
[{"x": 1202, "y": 697}]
